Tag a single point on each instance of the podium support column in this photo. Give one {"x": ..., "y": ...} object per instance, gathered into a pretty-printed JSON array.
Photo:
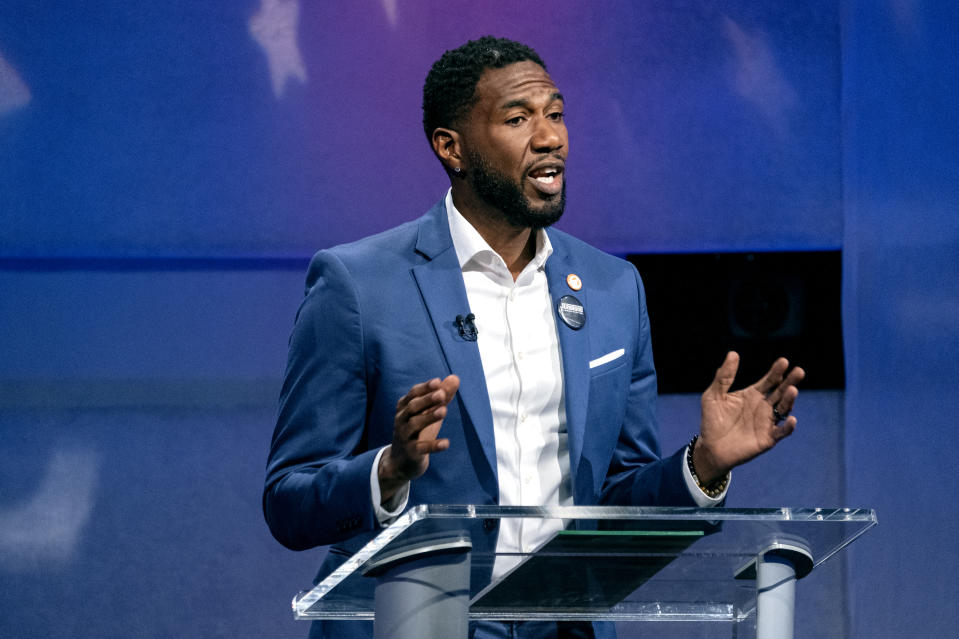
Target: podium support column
[
  {"x": 423, "y": 592},
  {"x": 776, "y": 598},
  {"x": 776, "y": 570}
]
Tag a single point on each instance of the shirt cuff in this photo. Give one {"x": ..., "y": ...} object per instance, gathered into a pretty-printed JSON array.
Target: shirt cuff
[
  {"x": 388, "y": 512},
  {"x": 702, "y": 499}
]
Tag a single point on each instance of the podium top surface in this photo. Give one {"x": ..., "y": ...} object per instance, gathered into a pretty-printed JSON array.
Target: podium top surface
[{"x": 599, "y": 562}]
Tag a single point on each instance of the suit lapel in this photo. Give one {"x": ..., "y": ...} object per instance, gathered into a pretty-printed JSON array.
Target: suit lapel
[
  {"x": 574, "y": 345},
  {"x": 440, "y": 281}
]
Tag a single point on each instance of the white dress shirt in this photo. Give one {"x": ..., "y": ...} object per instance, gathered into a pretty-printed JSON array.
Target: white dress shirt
[{"x": 519, "y": 348}]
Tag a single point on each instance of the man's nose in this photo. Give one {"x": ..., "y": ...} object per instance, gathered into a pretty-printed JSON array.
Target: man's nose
[{"x": 548, "y": 135}]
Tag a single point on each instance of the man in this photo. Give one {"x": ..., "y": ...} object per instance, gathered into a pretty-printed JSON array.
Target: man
[{"x": 472, "y": 356}]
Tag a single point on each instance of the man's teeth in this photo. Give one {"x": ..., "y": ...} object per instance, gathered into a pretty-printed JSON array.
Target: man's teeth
[{"x": 547, "y": 177}]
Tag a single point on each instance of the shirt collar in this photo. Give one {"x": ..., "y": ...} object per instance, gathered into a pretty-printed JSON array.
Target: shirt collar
[{"x": 471, "y": 247}]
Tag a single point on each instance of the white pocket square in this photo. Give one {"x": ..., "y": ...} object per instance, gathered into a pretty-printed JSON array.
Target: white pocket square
[{"x": 608, "y": 357}]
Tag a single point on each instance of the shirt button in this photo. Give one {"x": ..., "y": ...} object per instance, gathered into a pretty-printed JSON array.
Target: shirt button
[
  {"x": 523, "y": 417},
  {"x": 512, "y": 296},
  {"x": 520, "y": 355}
]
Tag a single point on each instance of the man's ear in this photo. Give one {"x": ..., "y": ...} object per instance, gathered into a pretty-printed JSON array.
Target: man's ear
[{"x": 447, "y": 144}]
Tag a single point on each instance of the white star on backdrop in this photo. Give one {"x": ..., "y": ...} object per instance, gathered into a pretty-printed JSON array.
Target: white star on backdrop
[
  {"x": 13, "y": 92},
  {"x": 392, "y": 12},
  {"x": 47, "y": 526},
  {"x": 274, "y": 28},
  {"x": 758, "y": 79}
]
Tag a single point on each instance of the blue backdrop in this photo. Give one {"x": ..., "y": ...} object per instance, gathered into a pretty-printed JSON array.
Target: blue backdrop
[
  {"x": 273, "y": 128},
  {"x": 166, "y": 168}
]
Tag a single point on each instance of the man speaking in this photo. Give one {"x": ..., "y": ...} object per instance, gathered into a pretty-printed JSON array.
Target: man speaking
[{"x": 477, "y": 356}]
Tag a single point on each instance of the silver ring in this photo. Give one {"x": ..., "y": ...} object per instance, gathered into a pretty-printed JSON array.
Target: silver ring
[{"x": 779, "y": 416}]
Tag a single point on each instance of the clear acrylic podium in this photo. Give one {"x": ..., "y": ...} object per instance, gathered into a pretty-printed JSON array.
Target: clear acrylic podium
[{"x": 432, "y": 570}]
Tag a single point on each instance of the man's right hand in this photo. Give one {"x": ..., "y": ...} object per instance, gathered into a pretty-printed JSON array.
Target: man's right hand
[{"x": 419, "y": 416}]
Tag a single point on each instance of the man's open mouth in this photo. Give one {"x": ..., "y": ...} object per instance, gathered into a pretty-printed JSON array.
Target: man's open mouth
[{"x": 547, "y": 179}]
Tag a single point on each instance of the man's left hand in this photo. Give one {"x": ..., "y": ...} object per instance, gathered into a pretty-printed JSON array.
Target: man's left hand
[{"x": 739, "y": 426}]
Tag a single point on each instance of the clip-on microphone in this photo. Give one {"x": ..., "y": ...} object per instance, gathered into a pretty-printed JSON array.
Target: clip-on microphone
[{"x": 466, "y": 327}]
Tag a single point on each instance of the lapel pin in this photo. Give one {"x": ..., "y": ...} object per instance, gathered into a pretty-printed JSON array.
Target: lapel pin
[
  {"x": 574, "y": 282},
  {"x": 571, "y": 311}
]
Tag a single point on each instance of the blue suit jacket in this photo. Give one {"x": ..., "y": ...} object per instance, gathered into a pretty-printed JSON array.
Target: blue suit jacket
[{"x": 378, "y": 317}]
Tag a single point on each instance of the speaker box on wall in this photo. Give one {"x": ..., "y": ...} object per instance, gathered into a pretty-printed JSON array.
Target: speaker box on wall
[{"x": 761, "y": 305}]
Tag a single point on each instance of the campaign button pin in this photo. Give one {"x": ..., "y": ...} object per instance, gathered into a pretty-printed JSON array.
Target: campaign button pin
[
  {"x": 574, "y": 282},
  {"x": 571, "y": 311}
]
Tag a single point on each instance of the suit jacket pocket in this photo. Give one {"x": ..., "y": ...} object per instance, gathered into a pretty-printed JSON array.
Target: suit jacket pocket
[{"x": 607, "y": 362}]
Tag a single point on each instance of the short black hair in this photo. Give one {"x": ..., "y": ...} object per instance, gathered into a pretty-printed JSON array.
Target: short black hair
[{"x": 450, "y": 87}]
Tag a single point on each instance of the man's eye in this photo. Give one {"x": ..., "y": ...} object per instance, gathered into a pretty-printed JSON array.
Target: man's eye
[
  {"x": 519, "y": 119},
  {"x": 558, "y": 116}
]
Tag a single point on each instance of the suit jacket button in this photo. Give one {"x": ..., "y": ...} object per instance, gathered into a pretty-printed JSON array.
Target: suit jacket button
[{"x": 489, "y": 524}]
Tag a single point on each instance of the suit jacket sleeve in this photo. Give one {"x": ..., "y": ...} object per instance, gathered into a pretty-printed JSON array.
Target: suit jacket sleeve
[{"x": 318, "y": 475}]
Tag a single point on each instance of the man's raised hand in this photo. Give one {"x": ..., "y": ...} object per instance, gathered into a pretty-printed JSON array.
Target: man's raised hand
[
  {"x": 419, "y": 416},
  {"x": 736, "y": 427}
]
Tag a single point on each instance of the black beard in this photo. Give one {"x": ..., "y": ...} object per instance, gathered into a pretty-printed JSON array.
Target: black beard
[{"x": 503, "y": 194}]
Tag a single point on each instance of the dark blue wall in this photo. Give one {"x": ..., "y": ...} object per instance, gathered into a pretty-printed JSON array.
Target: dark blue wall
[{"x": 161, "y": 185}]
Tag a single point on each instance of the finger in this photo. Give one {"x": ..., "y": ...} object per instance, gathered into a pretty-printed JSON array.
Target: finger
[
  {"x": 431, "y": 446},
  {"x": 795, "y": 376},
  {"x": 450, "y": 385},
  {"x": 725, "y": 375},
  {"x": 422, "y": 429},
  {"x": 412, "y": 428},
  {"x": 785, "y": 429},
  {"x": 416, "y": 391},
  {"x": 430, "y": 432},
  {"x": 446, "y": 389},
  {"x": 425, "y": 403},
  {"x": 427, "y": 441},
  {"x": 788, "y": 399},
  {"x": 442, "y": 395},
  {"x": 773, "y": 378}
]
